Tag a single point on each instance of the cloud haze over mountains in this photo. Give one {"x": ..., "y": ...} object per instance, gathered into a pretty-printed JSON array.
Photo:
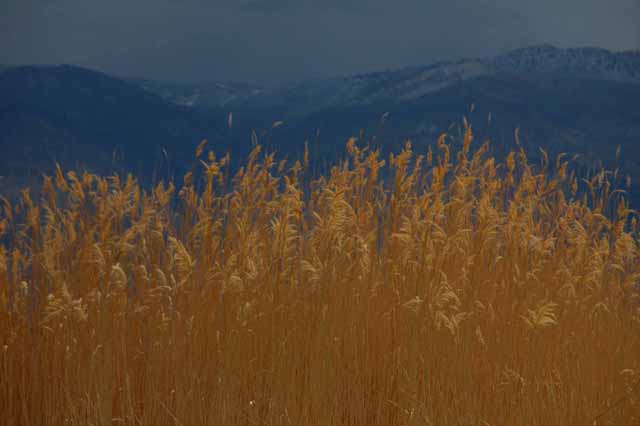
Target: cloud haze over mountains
[{"x": 277, "y": 41}]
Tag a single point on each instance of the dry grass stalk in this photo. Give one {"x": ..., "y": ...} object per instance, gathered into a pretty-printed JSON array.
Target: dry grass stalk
[{"x": 463, "y": 292}]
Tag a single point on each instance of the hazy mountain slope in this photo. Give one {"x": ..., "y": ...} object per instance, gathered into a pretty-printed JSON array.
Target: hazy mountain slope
[
  {"x": 398, "y": 86},
  {"x": 213, "y": 95},
  {"x": 83, "y": 118},
  {"x": 602, "y": 112}
]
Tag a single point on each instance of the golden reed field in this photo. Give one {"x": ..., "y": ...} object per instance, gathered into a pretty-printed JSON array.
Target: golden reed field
[{"x": 462, "y": 290}]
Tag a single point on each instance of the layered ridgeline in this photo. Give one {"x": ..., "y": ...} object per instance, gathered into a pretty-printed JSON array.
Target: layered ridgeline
[
  {"x": 579, "y": 101},
  {"x": 535, "y": 64},
  {"x": 463, "y": 290}
]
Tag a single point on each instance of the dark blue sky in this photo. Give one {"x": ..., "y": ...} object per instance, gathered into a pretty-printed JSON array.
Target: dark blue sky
[{"x": 275, "y": 41}]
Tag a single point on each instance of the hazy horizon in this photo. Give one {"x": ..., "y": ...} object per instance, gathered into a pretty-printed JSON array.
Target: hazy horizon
[
  {"x": 284, "y": 83},
  {"x": 280, "y": 41}
]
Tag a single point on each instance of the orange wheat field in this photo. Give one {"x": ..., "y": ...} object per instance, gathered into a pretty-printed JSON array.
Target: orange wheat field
[{"x": 461, "y": 291}]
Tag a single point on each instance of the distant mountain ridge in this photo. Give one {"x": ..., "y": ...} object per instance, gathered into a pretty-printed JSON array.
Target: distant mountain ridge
[
  {"x": 407, "y": 84},
  {"x": 412, "y": 83}
]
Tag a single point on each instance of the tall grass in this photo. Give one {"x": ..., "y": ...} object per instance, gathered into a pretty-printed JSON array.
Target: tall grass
[{"x": 460, "y": 291}]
